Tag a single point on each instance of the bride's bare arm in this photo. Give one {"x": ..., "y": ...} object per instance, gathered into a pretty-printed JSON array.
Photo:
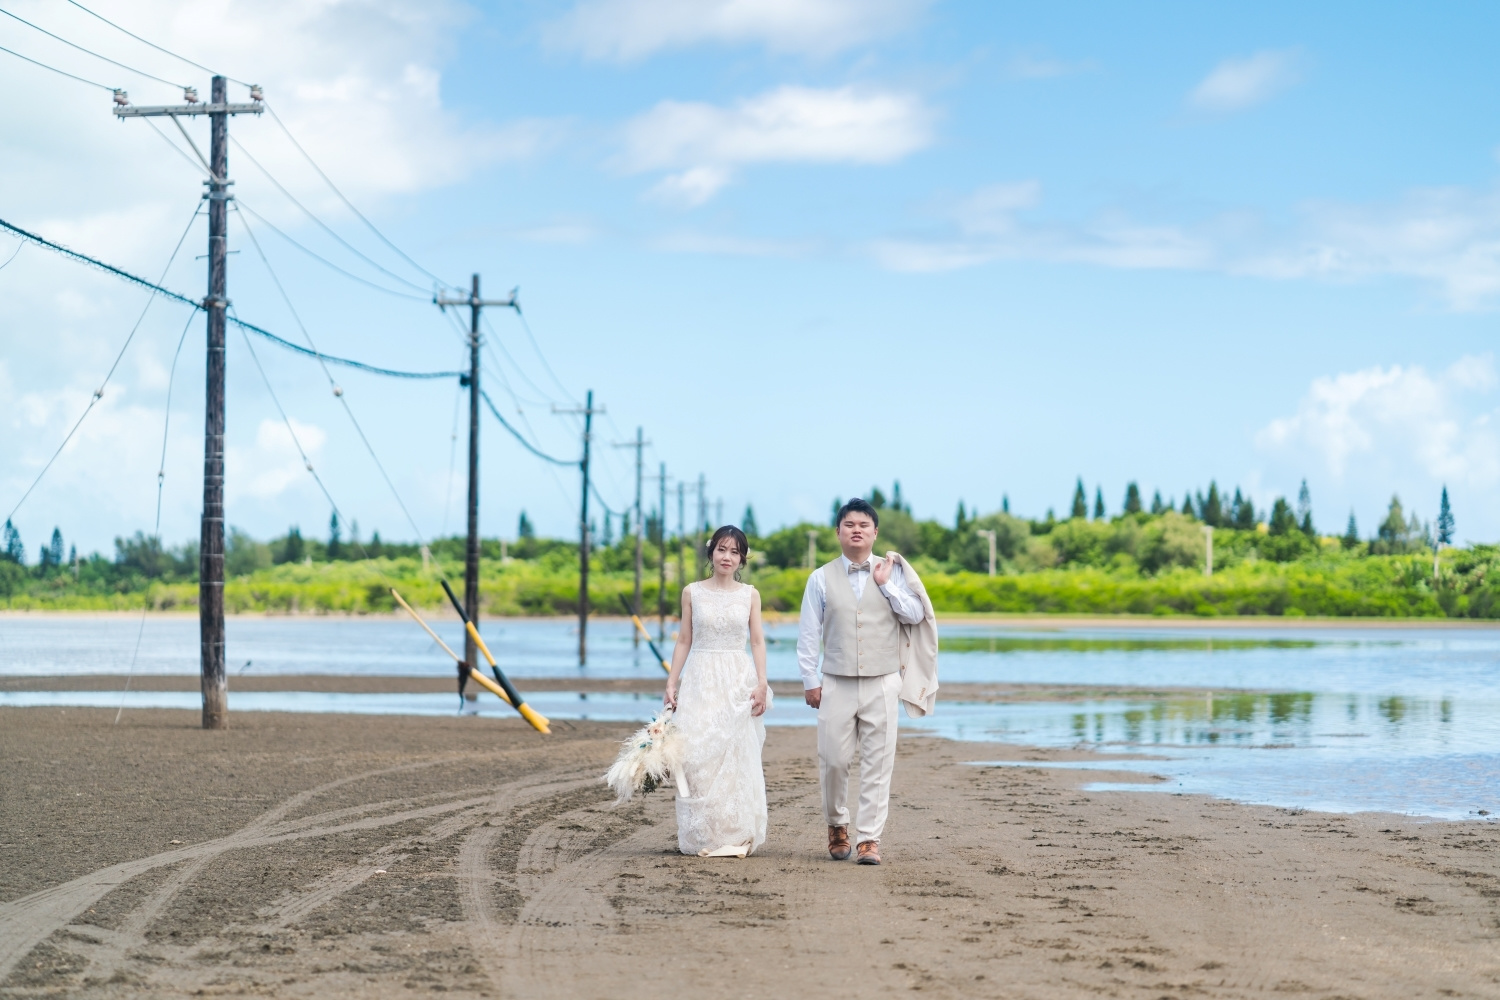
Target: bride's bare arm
[
  {"x": 758, "y": 653},
  {"x": 680, "y": 651}
]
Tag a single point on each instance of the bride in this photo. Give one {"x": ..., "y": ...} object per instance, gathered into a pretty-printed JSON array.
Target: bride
[{"x": 718, "y": 695}]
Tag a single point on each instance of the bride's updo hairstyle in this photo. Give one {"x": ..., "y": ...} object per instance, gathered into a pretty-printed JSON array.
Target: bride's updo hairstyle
[{"x": 740, "y": 541}]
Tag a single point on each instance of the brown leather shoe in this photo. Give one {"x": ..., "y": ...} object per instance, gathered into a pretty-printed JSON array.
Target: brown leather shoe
[
  {"x": 838, "y": 843},
  {"x": 869, "y": 853}
]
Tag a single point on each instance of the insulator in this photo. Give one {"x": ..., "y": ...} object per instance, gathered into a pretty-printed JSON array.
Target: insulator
[
  {"x": 256, "y": 94},
  {"x": 338, "y": 391},
  {"x": 190, "y": 94},
  {"x": 122, "y": 98}
]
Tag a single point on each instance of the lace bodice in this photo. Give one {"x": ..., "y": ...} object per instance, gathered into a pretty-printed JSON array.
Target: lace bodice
[{"x": 721, "y": 618}]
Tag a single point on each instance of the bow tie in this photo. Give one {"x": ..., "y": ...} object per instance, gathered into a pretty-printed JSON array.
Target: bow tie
[{"x": 856, "y": 567}]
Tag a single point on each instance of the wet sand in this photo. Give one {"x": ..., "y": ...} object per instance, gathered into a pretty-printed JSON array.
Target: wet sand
[{"x": 157, "y": 859}]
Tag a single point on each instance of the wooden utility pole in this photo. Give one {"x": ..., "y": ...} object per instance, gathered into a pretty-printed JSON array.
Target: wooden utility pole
[
  {"x": 587, "y": 411},
  {"x": 471, "y": 550},
  {"x": 639, "y": 444},
  {"x": 682, "y": 579},
  {"x": 662, "y": 553},
  {"x": 211, "y": 536},
  {"x": 698, "y": 529},
  {"x": 987, "y": 533}
]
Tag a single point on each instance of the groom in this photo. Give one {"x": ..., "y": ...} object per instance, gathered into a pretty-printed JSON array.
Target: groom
[{"x": 854, "y": 608}]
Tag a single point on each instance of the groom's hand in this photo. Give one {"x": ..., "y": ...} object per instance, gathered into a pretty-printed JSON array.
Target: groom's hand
[
  {"x": 813, "y": 696},
  {"x": 882, "y": 570}
]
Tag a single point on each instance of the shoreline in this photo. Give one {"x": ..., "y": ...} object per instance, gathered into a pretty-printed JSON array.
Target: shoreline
[
  {"x": 343, "y": 855},
  {"x": 1018, "y": 621},
  {"x": 989, "y": 692}
]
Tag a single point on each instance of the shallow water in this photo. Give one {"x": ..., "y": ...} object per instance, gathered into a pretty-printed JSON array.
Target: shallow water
[{"x": 1326, "y": 718}]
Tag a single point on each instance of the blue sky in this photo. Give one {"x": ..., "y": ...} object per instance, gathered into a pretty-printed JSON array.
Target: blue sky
[{"x": 812, "y": 246}]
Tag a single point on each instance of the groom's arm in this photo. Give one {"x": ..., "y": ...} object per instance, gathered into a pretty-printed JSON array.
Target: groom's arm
[
  {"x": 810, "y": 637},
  {"x": 908, "y": 609}
]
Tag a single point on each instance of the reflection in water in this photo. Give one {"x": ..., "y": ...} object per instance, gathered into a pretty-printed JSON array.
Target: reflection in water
[{"x": 1075, "y": 644}]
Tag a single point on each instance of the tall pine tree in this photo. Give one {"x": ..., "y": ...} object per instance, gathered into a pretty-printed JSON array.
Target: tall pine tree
[
  {"x": 1351, "y": 533},
  {"x": 335, "y": 538},
  {"x": 1080, "y": 500},
  {"x": 1157, "y": 506},
  {"x": 1133, "y": 499},
  {"x": 12, "y": 548},
  {"x": 1099, "y": 503},
  {"x": 1304, "y": 511},
  {"x": 1213, "y": 507},
  {"x": 524, "y": 529},
  {"x": 748, "y": 525},
  {"x": 1445, "y": 523}
]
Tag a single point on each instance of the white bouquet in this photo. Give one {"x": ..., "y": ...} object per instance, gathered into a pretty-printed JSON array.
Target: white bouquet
[{"x": 648, "y": 758}]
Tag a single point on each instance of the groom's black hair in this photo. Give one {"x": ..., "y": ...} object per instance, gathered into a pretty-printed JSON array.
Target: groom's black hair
[{"x": 858, "y": 506}]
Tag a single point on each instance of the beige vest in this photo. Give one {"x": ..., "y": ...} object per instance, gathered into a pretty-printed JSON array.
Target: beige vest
[{"x": 860, "y": 638}]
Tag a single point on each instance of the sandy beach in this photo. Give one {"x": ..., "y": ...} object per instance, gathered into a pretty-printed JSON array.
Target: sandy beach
[{"x": 315, "y": 856}]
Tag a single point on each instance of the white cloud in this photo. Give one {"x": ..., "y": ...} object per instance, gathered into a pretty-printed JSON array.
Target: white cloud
[
  {"x": 273, "y": 465},
  {"x": 786, "y": 125},
  {"x": 1448, "y": 239},
  {"x": 690, "y": 188},
  {"x": 1397, "y": 424},
  {"x": 358, "y": 82},
  {"x": 1245, "y": 81},
  {"x": 990, "y": 228},
  {"x": 626, "y": 30}
]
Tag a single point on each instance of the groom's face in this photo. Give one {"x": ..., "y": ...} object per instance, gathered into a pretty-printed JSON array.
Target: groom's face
[{"x": 857, "y": 535}]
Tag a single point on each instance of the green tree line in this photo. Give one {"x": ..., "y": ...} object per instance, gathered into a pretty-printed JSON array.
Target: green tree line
[{"x": 1144, "y": 558}]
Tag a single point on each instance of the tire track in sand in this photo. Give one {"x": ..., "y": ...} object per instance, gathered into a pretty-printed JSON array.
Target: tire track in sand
[{"x": 30, "y": 920}]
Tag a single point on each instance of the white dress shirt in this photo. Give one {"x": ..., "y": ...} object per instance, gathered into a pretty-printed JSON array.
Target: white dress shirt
[{"x": 904, "y": 603}]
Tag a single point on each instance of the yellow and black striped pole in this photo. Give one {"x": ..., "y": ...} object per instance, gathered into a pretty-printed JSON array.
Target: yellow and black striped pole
[
  {"x": 464, "y": 672},
  {"x": 537, "y": 720},
  {"x": 645, "y": 635}
]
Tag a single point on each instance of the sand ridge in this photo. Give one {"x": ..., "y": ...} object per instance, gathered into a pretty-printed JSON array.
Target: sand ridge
[{"x": 341, "y": 855}]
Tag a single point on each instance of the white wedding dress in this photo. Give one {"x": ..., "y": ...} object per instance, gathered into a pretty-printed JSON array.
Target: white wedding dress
[{"x": 727, "y": 807}]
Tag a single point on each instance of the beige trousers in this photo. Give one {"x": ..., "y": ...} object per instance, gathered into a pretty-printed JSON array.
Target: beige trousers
[{"x": 858, "y": 712}]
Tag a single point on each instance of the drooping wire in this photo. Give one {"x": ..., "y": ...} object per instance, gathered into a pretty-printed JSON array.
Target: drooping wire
[
  {"x": 320, "y": 223},
  {"x": 99, "y": 392},
  {"x": 60, "y": 72},
  {"x": 338, "y": 391},
  {"x": 158, "y": 48},
  {"x": 517, "y": 435},
  {"x": 347, "y": 203},
  {"x": 161, "y": 477},
  {"x": 324, "y": 260},
  {"x": 80, "y": 48},
  {"x": 13, "y": 256},
  {"x": 167, "y": 293}
]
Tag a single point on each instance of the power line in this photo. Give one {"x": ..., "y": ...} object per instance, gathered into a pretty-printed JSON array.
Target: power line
[
  {"x": 60, "y": 72},
  {"x": 338, "y": 392},
  {"x": 324, "y": 260},
  {"x": 80, "y": 48},
  {"x": 196, "y": 164},
  {"x": 517, "y": 435},
  {"x": 184, "y": 300},
  {"x": 498, "y": 344},
  {"x": 99, "y": 392},
  {"x": 538, "y": 349},
  {"x": 158, "y": 48},
  {"x": 13, "y": 256},
  {"x": 349, "y": 204},
  {"x": 323, "y": 225}
]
